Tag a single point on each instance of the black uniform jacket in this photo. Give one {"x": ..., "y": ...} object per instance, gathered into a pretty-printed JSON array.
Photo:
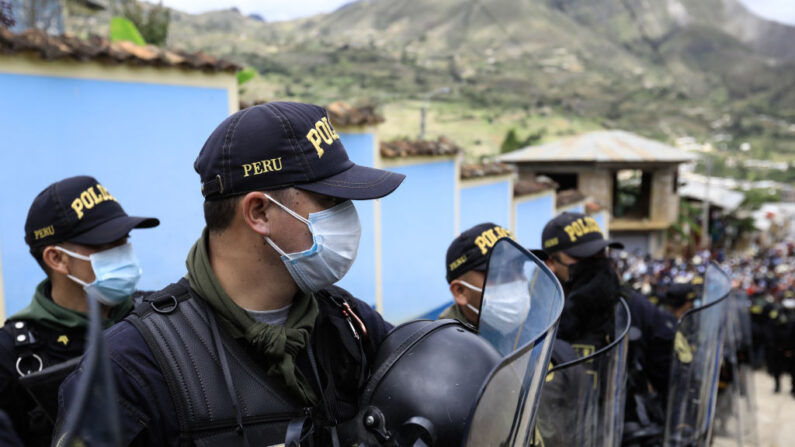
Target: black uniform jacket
[{"x": 655, "y": 346}]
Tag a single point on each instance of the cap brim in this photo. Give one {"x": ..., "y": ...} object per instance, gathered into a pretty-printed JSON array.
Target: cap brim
[
  {"x": 113, "y": 230},
  {"x": 356, "y": 183},
  {"x": 589, "y": 249}
]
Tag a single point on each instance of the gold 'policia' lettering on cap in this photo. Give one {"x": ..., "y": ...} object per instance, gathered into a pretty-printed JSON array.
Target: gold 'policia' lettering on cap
[
  {"x": 488, "y": 238},
  {"x": 89, "y": 199},
  {"x": 262, "y": 167},
  {"x": 323, "y": 132},
  {"x": 41, "y": 233},
  {"x": 581, "y": 227}
]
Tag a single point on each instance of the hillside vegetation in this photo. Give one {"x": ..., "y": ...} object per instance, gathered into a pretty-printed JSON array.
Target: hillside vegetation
[{"x": 664, "y": 68}]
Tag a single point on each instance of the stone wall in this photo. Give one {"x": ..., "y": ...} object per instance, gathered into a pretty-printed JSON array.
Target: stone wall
[
  {"x": 598, "y": 185},
  {"x": 664, "y": 200}
]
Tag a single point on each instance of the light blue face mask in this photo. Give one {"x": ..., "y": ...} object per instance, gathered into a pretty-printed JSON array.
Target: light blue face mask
[
  {"x": 116, "y": 273},
  {"x": 335, "y": 236}
]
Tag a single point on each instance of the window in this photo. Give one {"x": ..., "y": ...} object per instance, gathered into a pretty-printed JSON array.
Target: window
[
  {"x": 564, "y": 180},
  {"x": 631, "y": 193}
]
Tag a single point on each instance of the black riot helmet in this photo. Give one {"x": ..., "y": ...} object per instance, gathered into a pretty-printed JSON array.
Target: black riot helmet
[{"x": 426, "y": 380}]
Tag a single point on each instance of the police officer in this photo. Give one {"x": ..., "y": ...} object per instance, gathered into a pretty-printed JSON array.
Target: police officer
[
  {"x": 679, "y": 298},
  {"x": 778, "y": 341},
  {"x": 466, "y": 262},
  {"x": 255, "y": 346},
  {"x": 577, "y": 254},
  {"x": 77, "y": 232}
]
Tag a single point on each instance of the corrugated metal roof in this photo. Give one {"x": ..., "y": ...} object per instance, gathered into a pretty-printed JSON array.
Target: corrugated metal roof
[
  {"x": 102, "y": 50},
  {"x": 721, "y": 197},
  {"x": 601, "y": 146}
]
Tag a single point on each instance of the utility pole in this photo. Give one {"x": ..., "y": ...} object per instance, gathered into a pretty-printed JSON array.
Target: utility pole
[
  {"x": 426, "y": 104},
  {"x": 705, "y": 236}
]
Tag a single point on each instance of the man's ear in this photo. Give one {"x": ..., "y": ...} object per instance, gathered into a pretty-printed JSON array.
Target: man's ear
[
  {"x": 257, "y": 212},
  {"x": 55, "y": 260},
  {"x": 459, "y": 293}
]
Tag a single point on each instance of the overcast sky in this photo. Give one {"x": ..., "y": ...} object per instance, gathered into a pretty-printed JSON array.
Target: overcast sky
[{"x": 273, "y": 10}]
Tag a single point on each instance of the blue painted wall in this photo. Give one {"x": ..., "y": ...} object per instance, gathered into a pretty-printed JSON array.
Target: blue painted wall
[
  {"x": 360, "y": 280},
  {"x": 486, "y": 203},
  {"x": 418, "y": 224},
  {"x": 139, "y": 140},
  {"x": 574, "y": 209},
  {"x": 600, "y": 219},
  {"x": 531, "y": 216}
]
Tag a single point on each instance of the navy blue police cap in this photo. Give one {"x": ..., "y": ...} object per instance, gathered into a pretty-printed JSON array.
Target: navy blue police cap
[
  {"x": 285, "y": 144},
  {"x": 79, "y": 210},
  {"x": 575, "y": 234},
  {"x": 470, "y": 250},
  {"x": 679, "y": 293}
]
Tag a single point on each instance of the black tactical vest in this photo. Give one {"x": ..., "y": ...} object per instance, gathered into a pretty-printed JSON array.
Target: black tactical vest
[
  {"x": 42, "y": 363},
  {"x": 224, "y": 396}
]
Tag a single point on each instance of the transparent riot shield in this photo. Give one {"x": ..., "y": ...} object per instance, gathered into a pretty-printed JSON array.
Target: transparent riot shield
[
  {"x": 736, "y": 414},
  {"x": 582, "y": 403},
  {"x": 522, "y": 302},
  {"x": 92, "y": 418},
  {"x": 695, "y": 365}
]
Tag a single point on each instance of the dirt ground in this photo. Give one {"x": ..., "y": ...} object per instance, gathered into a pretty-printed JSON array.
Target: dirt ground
[{"x": 775, "y": 417}]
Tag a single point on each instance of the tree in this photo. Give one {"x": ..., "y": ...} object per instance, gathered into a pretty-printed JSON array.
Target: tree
[
  {"x": 6, "y": 15},
  {"x": 152, "y": 23},
  {"x": 512, "y": 141}
]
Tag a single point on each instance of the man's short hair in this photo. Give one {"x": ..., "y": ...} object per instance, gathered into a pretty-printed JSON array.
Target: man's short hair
[
  {"x": 38, "y": 255},
  {"x": 218, "y": 213}
]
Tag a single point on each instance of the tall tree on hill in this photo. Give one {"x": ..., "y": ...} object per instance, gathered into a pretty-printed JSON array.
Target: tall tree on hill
[{"x": 152, "y": 21}]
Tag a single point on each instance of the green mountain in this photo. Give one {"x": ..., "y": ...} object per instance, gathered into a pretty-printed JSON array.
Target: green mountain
[{"x": 663, "y": 68}]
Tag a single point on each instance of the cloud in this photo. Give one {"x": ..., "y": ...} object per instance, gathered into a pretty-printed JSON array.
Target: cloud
[
  {"x": 271, "y": 10},
  {"x": 779, "y": 10}
]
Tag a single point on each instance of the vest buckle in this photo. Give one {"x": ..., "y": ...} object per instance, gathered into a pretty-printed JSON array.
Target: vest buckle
[{"x": 164, "y": 304}]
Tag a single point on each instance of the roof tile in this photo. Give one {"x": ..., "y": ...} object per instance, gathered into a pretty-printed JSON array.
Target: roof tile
[
  {"x": 343, "y": 114},
  {"x": 486, "y": 170},
  {"x": 99, "y": 49},
  {"x": 568, "y": 197},
  {"x": 527, "y": 187},
  {"x": 424, "y": 148}
]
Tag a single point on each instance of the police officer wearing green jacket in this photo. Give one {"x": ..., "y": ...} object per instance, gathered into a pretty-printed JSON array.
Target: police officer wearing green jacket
[
  {"x": 466, "y": 261},
  {"x": 255, "y": 346},
  {"x": 77, "y": 232}
]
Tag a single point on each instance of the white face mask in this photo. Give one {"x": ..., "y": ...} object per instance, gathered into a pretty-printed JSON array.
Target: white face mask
[
  {"x": 116, "y": 273},
  {"x": 476, "y": 289},
  {"x": 335, "y": 235},
  {"x": 506, "y": 306}
]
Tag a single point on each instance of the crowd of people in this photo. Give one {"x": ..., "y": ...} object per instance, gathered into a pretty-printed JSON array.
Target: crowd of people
[{"x": 764, "y": 282}]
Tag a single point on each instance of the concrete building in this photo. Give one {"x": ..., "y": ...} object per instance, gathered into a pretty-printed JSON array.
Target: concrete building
[
  {"x": 134, "y": 117},
  {"x": 632, "y": 177}
]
